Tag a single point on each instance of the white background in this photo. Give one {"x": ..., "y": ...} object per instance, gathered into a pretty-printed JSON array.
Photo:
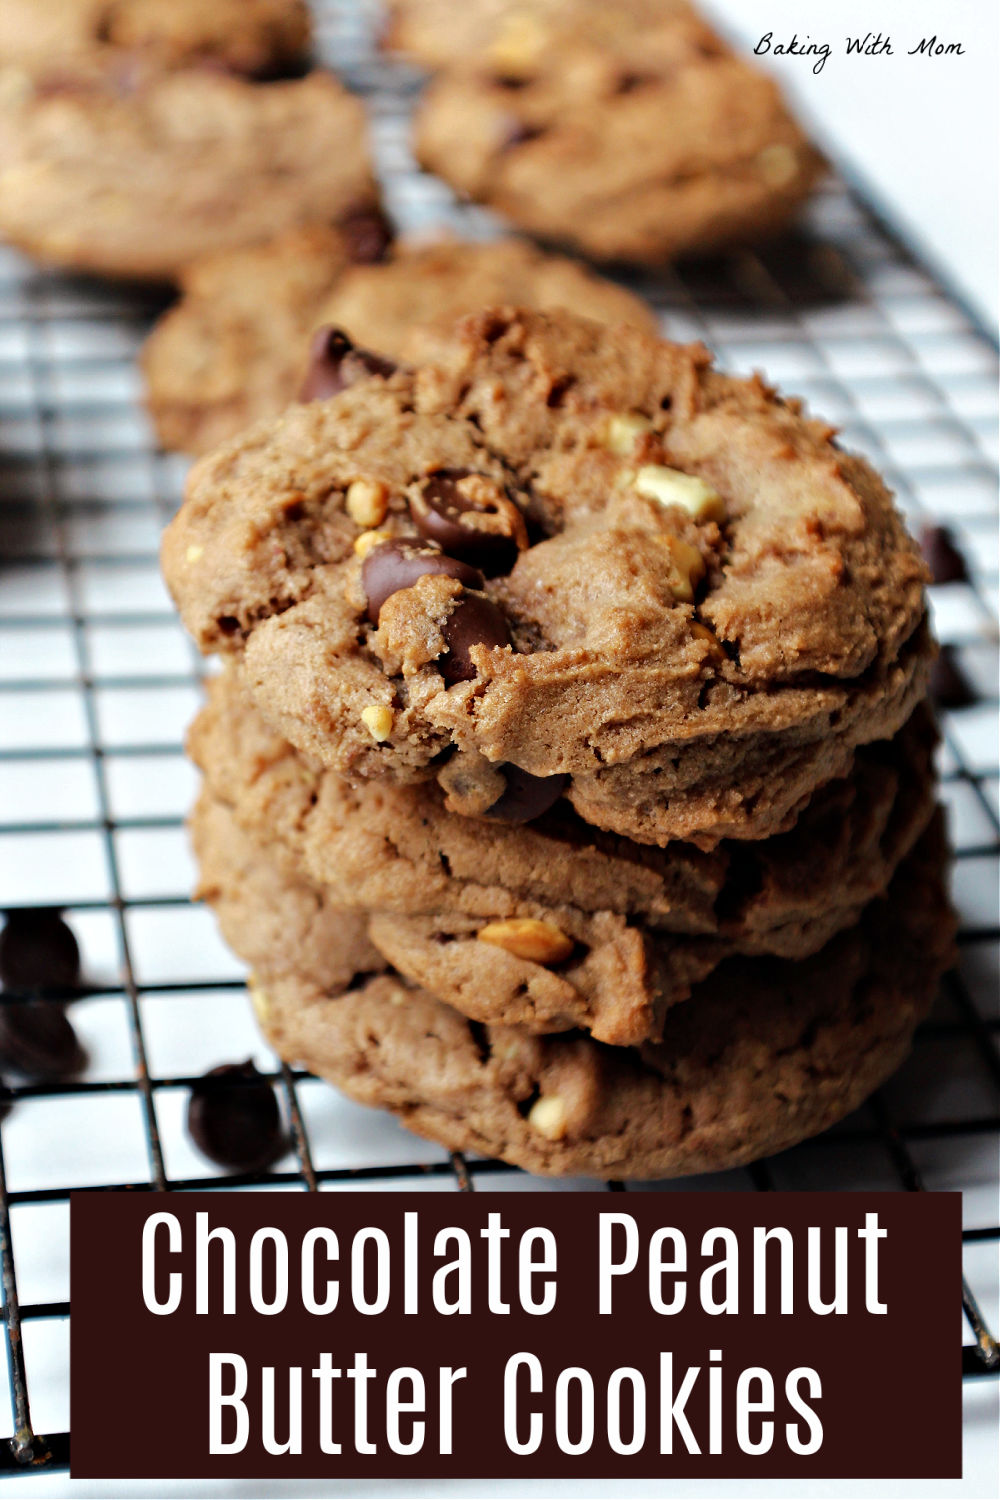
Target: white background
[{"x": 921, "y": 133}]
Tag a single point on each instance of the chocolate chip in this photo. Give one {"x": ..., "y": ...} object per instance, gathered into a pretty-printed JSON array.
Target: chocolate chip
[
  {"x": 440, "y": 508},
  {"x": 946, "y": 563},
  {"x": 233, "y": 1118},
  {"x": 39, "y": 952},
  {"x": 949, "y": 686},
  {"x": 228, "y": 624},
  {"x": 475, "y": 621},
  {"x": 335, "y": 363},
  {"x": 38, "y": 1040},
  {"x": 629, "y": 81},
  {"x": 368, "y": 234},
  {"x": 396, "y": 565},
  {"x": 526, "y": 796},
  {"x": 519, "y": 133}
]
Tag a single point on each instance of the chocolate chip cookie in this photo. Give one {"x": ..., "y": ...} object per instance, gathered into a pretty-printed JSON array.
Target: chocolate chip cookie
[
  {"x": 249, "y": 36},
  {"x": 235, "y": 347},
  {"x": 121, "y": 169},
  {"x": 574, "y": 550},
  {"x": 764, "y": 1054},
  {"x": 628, "y": 131},
  {"x": 552, "y": 924}
]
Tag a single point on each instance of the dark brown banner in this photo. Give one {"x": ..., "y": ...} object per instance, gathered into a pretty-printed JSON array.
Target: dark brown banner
[{"x": 271, "y": 1335}]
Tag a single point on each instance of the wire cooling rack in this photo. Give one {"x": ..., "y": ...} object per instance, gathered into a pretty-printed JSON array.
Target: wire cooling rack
[{"x": 97, "y": 682}]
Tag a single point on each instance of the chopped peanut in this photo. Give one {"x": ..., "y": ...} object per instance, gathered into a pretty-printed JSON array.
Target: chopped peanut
[
  {"x": 366, "y": 502},
  {"x": 526, "y": 937},
  {"x": 671, "y": 487},
  {"x": 548, "y": 1116},
  {"x": 378, "y": 720}
]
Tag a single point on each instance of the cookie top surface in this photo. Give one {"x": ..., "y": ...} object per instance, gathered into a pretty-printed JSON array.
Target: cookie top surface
[
  {"x": 249, "y": 36},
  {"x": 764, "y": 1054},
  {"x": 702, "y": 563},
  {"x": 234, "y": 349},
  {"x": 123, "y": 170},
  {"x": 632, "y": 133}
]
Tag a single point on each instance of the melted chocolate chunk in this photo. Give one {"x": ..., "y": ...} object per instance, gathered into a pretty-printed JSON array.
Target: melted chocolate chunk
[
  {"x": 526, "y": 796},
  {"x": 233, "y": 1118},
  {"x": 335, "y": 364},
  {"x": 398, "y": 564},
  {"x": 368, "y": 234},
  {"x": 39, "y": 952},
  {"x": 946, "y": 563},
  {"x": 439, "y": 510},
  {"x": 475, "y": 621},
  {"x": 38, "y": 1040}
]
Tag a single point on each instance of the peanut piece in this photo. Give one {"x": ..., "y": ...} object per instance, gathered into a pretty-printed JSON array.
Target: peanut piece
[
  {"x": 366, "y": 502},
  {"x": 518, "y": 44},
  {"x": 671, "y": 487},
  {"x": 686, "y": 567},
  {"x": 259, "y": 1000},
  {"x": 526, "y": 937},
  {"x": 364, "y": 543},
  {"x": 548, "y": 1116},
  {"x": 623, "y": 430},
  {"x": 778, "y": 165},
  {"x": 378, "y": 721}
]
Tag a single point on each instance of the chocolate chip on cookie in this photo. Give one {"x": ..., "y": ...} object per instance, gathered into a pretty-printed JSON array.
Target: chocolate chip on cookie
[
  {"x": 391, "y": 566},
  {"x": 471, "y": 517},
  {"x": 335, "y": 363},
  {"x": 474, "y": 621}
]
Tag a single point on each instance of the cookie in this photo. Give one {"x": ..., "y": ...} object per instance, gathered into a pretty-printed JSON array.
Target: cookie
[
  {"x": 249, "y": 36},
  {"x": 120, "y": 170},
  {"x": 630, "y": 132},
  {"x": 765, "y": 1053},
  {"x": 234, "y": 349},
  {"x": 553, "y": 925},
  {"x": 674, "y": 590},
  {"x": 298, "y": 929},
  {"x": 439, "y": 35}
]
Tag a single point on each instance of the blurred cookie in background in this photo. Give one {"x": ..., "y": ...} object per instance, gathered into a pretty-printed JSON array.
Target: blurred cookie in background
[
  {"x": 247, "y": 36},
  {"x": 630, "y": 132},
  {"x": 117, "y": 168}
]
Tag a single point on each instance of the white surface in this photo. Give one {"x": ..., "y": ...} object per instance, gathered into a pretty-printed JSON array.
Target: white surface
[{"x": 920, "y": 132}]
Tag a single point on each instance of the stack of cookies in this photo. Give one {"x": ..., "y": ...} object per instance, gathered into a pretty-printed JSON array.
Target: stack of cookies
[{"x": 568, "y": 782}]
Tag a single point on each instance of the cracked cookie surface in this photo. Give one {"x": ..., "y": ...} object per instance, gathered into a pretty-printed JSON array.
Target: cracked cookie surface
[
  {"x": 707, "y": 604},
  {"x": 764, "y": 1054},
  {"x": 235, "y": 348}
]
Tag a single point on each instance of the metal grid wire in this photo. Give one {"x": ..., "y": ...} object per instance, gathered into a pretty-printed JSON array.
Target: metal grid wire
[{"x": 97, "y": 682}]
